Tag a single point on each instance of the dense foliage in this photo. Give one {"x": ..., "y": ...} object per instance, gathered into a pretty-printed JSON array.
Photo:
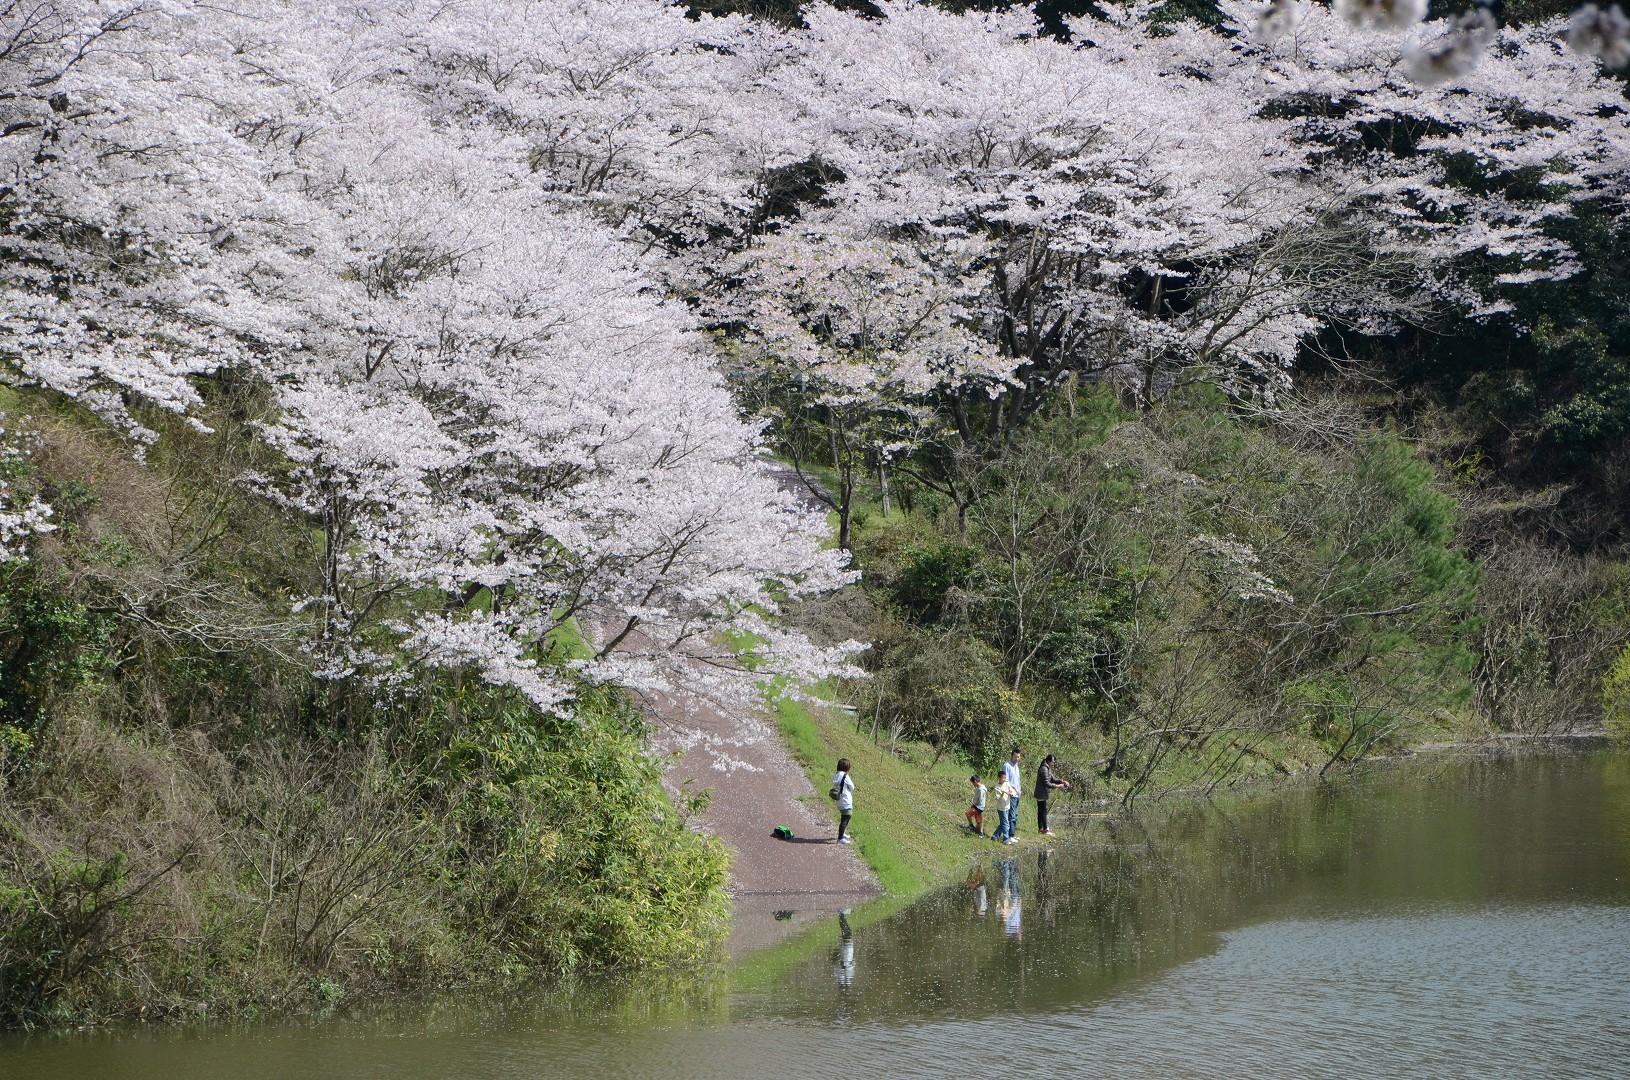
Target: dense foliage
[
  {"x": 1183, "y": 584},
  {"x": 388, "y": 386},
  {"x": 190, "y": 824}
]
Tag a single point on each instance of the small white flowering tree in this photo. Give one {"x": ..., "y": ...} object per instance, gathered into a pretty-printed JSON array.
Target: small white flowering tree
[{"x": 22, "y": 513}]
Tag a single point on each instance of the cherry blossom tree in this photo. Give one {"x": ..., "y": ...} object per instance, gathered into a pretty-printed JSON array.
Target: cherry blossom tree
[
  {"x": 22, "y": 513},
  {"x": 1125, "y": 238},
  {"x": 1107, "y": 234},
  {"x": 634, "y": 110},
  {"x": 850, "y": 339},
  {"x": 470, "y": 260},
  {"x": 497, "y": 409},
  {"x": 498, "y": 424},
  {"x": 126, "y": 198},
  {"x": 568, "y": 454},
  {"x": 1464, "y": 168}
]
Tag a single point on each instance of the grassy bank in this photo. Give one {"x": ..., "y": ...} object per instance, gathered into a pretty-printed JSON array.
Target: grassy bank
[
  {"x": 907, "y": 823},
  {"x": 1191, "y": 597},
  {"x": 908, "y": 812}
]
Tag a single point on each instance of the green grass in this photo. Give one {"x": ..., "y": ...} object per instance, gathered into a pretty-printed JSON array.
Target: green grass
[
  {"x": 766, "y": 969},
  {"x": 907, "y": 824},
  {"x": 567, "y": 642},
  {"x": 908, "y": 817}
]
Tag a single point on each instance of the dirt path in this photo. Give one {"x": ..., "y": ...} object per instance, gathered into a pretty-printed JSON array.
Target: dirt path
[{"x": 775, "y": 884}]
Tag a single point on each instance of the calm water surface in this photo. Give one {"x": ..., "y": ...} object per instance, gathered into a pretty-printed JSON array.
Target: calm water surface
[{"x": 1445, "y": 918}]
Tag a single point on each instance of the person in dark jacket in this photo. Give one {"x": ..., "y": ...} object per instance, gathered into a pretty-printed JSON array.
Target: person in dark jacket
[{"x": 1046, "y": 781}]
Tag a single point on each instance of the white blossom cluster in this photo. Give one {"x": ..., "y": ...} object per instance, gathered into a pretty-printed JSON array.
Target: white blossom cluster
[
  {"x": 1236, "y": 564},
  {"x": 1601, "y": 33},
  {"x": 22, "y": 514},
  {"x": 474, "y": 250},
  {"x": 1417, "y": 208}
]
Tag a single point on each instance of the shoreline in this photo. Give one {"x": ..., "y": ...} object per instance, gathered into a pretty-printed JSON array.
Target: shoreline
[
  {"x": 760, "y": 963},
  {"x": 1599, "y": 740}
]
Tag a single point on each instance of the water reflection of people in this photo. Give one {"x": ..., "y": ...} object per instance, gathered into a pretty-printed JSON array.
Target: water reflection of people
[
  {"x": 1041, "y": 892},
  {"x": 981, "y": 895},
  {"x": 1010, "y": 904},
  {"x": 843, "y": 964}
]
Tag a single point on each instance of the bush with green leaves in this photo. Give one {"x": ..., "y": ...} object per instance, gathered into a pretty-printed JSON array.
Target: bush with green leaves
[
  {"x": 1616, "y": 698},
  {"x": 1182, "y": 593},
  {"x": 50, "y": 645},
  {"x": 572, "y": 853}
]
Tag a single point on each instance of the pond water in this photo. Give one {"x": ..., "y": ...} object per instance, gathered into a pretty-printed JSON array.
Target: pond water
[{"x": 1449, "y": 917}]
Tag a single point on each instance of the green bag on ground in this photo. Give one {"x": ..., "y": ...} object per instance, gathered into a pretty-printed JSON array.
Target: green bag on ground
[{"x": 781, "y": 832}]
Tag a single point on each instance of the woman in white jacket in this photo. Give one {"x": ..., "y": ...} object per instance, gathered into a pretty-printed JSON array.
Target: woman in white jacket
[{"x": 843, "y": 790}]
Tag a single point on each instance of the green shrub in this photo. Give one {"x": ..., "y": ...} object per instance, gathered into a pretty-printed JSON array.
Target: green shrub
[
  {"x": 462, "y": 839},
  {"x": 572, "y": 852},
  {"x": 927, "y": 573},
  {"x": 190, "y": 820},
  {"x": 1616, "y": 698},
  {"x": 56, "y": 929},
  {"x": 50, "y": 645}
]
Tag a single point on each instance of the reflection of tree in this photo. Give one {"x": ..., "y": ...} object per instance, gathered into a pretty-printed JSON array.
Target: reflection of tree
[
  {"x": 1149, "y": 895},
  {"x": 981, "y": 895}
]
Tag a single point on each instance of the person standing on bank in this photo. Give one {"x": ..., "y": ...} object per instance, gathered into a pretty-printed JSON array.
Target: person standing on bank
[
  {"x": 1046, "y": 781},
  {"x": 843, "y": 790},
  {"x": 1006, "y": 800},
  {"x": 976, "y": 811},
  {"x": 1010, "y": 776}
]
